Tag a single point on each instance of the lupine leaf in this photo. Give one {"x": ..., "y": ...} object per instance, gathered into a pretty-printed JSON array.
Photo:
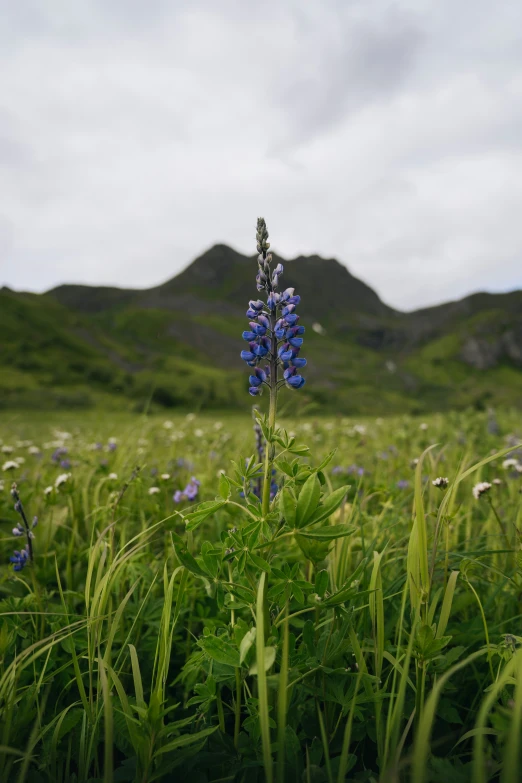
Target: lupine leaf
[
  {"x": 288, "y": 507},
  {"x": 204, "y": 510},
  {"x": 185, "y": 739},
  {"x": 327, "y": 533},
  {"x": 308, "y": 500},
  {"x": 329, "y": 505},
  {"x": 224, "y": 487},
  {"x": 269, "y": 658},
  {"x": 220, "y": 650},
  {"x": 186, "y": 559}
]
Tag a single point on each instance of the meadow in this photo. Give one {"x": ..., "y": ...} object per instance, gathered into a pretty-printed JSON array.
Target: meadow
[{"x": 362, "y": 625}]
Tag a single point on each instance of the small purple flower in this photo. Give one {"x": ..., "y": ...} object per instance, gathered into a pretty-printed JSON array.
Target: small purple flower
[
  {"x": 189, "y": 493},
  {"x": 403, "y": 484},
  {"x": 58, "y": 454},
  {"x": 65, "y": 464}
]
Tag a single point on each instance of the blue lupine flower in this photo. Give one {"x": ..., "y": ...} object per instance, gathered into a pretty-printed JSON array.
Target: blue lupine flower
[
  {"x": 274, "y": 333},
  {"x": 19, "y": 559}
]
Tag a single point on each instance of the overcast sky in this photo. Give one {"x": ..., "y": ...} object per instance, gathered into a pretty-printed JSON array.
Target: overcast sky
[{"x": 134, "y": 134}]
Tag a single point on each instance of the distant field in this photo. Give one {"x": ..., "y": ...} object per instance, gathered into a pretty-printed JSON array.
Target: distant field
[{"x": 131, "y": 648}]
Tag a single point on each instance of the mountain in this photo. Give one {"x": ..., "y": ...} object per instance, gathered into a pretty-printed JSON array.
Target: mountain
[{"x": 178, "y": 343}]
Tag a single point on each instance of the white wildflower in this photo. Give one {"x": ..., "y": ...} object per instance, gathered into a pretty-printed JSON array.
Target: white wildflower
[
  {"x": 47, "y": 491},
  {"x": 190, "y": 416},
  {"x": 63, "y": 478},
  {"x": 33, "y": 450},
  {"x": 218, "y": 425},
  {"x": 509, "y": 463},
  {"x": 318, "y": 329},
  {"x": 423, "y": 426},
  {"x": 165, "y": 476},
  {"x": 441, "y": 482},
  {"x": 10, "y": 465},
  {"x": 19, "y": 460},
  {"x": 198, "y": 433},
  {"x": 54, "y": 444},
  {"x": 7, "y": 449},
  {"x": 497, "y": 481},
  {"x": 154, "y": 490},
  {"x": 168, "y": 425},
  {"x": 113, "y": 476},
  {"x": 480, "y": 489},
  {"x": 62, "y": 435}
]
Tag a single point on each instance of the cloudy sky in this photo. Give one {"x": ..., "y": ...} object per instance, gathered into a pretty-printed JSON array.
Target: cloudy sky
[{"x": 134, "y": 135}]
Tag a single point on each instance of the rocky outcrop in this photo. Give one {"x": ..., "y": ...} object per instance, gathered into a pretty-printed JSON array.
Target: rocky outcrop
[{"x": 483, "y": 353}]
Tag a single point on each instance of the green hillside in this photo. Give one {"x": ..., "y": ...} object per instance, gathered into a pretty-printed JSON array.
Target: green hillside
[{"x": 178, "y": 344}]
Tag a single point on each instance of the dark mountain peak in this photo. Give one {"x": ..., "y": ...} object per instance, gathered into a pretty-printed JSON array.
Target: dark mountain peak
[
  {"x": 327, "y": 287},
  {"x": 210, "y": 268}
]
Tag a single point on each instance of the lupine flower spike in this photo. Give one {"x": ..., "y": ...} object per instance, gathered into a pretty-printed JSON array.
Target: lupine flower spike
[
  {"x": 19, "y": 558},
  {"x": 274, "y": 335}
]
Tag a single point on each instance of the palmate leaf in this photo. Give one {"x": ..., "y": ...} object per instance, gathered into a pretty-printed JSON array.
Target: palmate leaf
[
  {"x": 203, "y": 511},
  {"x": 328, "y": 506},
  {"x": 220, "y": 650}
]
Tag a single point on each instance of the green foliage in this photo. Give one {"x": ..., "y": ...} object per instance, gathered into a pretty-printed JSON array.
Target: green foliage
[{"x": 356, "y": 630}]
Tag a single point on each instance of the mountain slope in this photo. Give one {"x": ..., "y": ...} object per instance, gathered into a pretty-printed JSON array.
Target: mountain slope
[{"x": 178, "y": 343}]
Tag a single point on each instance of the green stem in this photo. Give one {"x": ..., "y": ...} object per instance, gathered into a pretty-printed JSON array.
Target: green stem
[
  {"x": 420, "y": 693},
  {"x": 221, "y": 714},
  {"x": 282, "y": 702},
  {"x": 262, "y": 690},
  {"x": 270, "y": 447},
  {"x": 237, "y": 708}
]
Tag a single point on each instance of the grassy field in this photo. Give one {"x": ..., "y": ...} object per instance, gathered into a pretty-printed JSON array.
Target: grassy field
[{"x": 366, "y": 628}]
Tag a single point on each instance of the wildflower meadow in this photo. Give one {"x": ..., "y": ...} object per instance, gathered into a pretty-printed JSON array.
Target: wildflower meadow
[{"x": 264, "y": 598}]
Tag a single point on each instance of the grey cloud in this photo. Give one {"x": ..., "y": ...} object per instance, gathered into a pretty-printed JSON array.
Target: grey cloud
[
  {"x": 359, "y": 61},
  {"x": 135, "y": 135}
]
